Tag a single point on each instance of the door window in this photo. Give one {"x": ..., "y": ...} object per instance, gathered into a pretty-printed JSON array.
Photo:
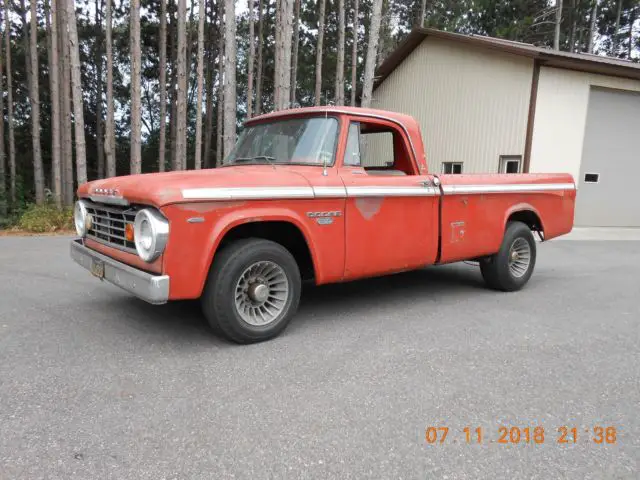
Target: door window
[{"x": 378, "y": 149}]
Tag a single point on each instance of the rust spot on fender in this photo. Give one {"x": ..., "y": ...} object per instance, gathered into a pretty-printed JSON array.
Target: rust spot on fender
[{"x": 369, "y": 207}]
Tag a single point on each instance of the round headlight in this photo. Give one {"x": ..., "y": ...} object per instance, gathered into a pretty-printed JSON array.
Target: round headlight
[
  {"x": 81, "y": 218},
  {"x": 150, "y": 232}
]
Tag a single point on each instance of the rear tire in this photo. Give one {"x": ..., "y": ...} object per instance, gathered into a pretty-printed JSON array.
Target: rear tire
[
  {"x": 510, "y": 269},
  {"x": 253, "y": 290}
]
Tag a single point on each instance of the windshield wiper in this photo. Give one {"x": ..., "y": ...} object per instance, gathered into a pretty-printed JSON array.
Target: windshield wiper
[{"x": 271, "y": 160}]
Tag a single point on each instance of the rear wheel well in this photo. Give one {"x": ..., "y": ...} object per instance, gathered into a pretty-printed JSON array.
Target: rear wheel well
[
  {"x": 529, "y": 218},
  {"x": 284, "y": 233}
]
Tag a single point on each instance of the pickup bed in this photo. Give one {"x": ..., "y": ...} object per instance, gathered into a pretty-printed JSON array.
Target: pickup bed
[{"x": 328, "y": 194}]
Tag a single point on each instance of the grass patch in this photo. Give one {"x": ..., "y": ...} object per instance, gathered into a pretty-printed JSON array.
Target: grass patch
[{"x": 46, "y": 218}]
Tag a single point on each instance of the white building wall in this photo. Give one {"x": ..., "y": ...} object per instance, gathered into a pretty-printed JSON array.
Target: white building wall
[
  {"x": 472, "y": 104},
  {"x": 560, "y": 118}
]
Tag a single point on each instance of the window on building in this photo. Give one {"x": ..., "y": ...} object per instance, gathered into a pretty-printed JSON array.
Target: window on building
[
  {"x": 451, "y": 167},
  {"x": 510, "y": 164}
]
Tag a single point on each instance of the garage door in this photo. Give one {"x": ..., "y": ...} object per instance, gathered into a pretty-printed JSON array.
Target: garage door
[{"x": 610, "y": 171}]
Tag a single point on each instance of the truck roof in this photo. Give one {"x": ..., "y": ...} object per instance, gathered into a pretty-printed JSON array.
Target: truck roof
[{"x": 405, "y": 120}]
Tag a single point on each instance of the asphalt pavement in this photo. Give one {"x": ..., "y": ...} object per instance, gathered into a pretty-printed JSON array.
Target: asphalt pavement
[{"x": 95, "y": 384}]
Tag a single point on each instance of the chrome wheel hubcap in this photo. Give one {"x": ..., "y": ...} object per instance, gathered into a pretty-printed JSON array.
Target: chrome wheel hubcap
[
  {"x": 519, "y": 257},
  {"x": 261, "y": 293}
]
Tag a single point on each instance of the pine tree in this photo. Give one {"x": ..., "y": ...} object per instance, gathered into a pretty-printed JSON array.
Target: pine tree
[
  {"x": 109, "y": 140},
  {"x": 34, "y": 99},
  {"x": 340, "y": 62},
  {"x": 372, "y": 50},
  {"x": 181, "y": 119},
  {"x": 319, "y": 46},
  {"x": 76, "y": 88},
  {"x": 163, "y": 86},
  {"x": 229, "y": 77},
  {"x": 198, "y": 156},
  {"x": 54, "y": 87},
  {"x": 252, "y": 52},
  {"x": 136, "y": 104},
  {"x": 354, "y": 55},
  {"x": 10, "y": 119}
]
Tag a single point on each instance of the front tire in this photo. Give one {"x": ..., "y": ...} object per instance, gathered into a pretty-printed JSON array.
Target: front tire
[
  {"x": 253, "y": 290},
  {"x": 510, "y": 269}
]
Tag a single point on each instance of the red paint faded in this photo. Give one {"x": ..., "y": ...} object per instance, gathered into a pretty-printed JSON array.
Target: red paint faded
[{"x": 371, "y": 236}]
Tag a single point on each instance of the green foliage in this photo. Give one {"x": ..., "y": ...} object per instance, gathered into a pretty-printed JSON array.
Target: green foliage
[{"x": 46, "y": 218}]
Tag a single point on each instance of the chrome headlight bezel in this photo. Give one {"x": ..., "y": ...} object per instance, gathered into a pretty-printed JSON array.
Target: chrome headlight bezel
[
  {"x": 81, "y": 218},
  {"x": 159, "y": 227}
]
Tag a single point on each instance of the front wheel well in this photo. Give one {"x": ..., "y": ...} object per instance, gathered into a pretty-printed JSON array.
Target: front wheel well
[
  {"x": 285, "y": 233},
  {"x": 529, "y": 218}
]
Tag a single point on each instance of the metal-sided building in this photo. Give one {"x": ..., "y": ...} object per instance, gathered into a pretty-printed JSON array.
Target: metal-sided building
[{"x": 492, "y": 105}]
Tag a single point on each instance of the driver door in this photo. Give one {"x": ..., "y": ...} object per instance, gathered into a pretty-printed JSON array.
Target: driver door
[{"x": 391, "y": 210}]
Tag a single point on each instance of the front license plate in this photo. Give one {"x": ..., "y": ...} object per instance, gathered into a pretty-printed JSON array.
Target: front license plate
[{"x": 97, "y": 268}]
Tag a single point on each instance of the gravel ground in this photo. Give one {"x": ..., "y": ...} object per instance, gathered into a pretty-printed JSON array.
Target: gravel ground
[{"x": 96, "y": 384}]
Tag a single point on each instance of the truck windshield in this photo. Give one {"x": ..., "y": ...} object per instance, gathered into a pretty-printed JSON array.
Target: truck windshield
[{"x": 295, "y": 141}]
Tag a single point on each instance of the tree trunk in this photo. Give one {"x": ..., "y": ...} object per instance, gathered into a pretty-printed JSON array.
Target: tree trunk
[
  {"x": 135, "y": 163},
  {"x": 250, "y": 62},
  {"x": 556, "y": 37},
  {"x": 354, "y": 55},
  {"x": 181, "y": 119},
  {"x": 99, "y": 88},
  {"x": 34, "y": 95},
  {"x": 220, "y": 95},
  {"x": 198, "y": 156},
  {"x": 632, "y": 19},
  {"x": 54, "y": 87},
  {"x": 190, "y": 86},
  {"x": 163, "y": 85},
  {"x": 614, "y": 37},
  {"x": 110, "y": 140},
  {"x": 12, "y": 144},
  {"x": 423, "y": 12},
  {"x": 76, "y": 86},
  {"x": 65, "y": 108},
  {"x": 592, "y": 26},
  {"x": 173, "y": 113},
  {"x": 372, "y": 50},
  {"x": 296, "y": 46},
  {"x": 573, "y": 21},
  {"x": 277, "y": 63},
  {"x": 229, "y": 76},
  {"x": 340, "y": 61},
  {"x": 285, "y": 71},
  {"x": 25, "y": 40},
  {"x": 3, "y": 188},
  {"x": 318, "y": 90},
  {"x": 259, "y": 73},
  {"x": 210, "y": 89}
]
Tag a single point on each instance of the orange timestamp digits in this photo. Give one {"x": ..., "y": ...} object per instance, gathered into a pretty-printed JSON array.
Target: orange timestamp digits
[{"x": 513, "y": 435}]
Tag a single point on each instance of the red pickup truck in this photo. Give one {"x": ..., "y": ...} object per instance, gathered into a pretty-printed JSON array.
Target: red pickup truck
[{"x": 329, "y": 194}]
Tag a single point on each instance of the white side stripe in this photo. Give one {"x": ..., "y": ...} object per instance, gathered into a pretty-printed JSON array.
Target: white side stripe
[
  {"x": 391, "y": 191},
  {"x": 511, "y": 188},
  {"x": 257, "y": 193},
  {"x": 329, "y": 192},
  {"x": 274, "y": 193}
]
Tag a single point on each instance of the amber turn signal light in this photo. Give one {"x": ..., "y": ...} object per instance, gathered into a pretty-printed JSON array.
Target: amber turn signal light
[{"x": 128, "y": 232}]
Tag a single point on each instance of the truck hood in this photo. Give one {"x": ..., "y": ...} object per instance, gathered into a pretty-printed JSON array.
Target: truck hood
[{"x": 159, "y": 189}]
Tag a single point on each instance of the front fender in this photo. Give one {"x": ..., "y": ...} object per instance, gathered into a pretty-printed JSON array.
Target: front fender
[{"x": 197, "y": 229}]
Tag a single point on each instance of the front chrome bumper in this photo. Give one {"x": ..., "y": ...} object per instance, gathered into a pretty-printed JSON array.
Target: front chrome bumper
[{"x": 151, "y": 288}]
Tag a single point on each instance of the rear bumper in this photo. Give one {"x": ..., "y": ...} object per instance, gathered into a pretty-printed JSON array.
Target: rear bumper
[{"x": 150, "y": 288}]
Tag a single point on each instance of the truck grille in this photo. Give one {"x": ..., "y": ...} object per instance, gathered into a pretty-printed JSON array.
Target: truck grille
[{"x": 108, "y": 225}]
